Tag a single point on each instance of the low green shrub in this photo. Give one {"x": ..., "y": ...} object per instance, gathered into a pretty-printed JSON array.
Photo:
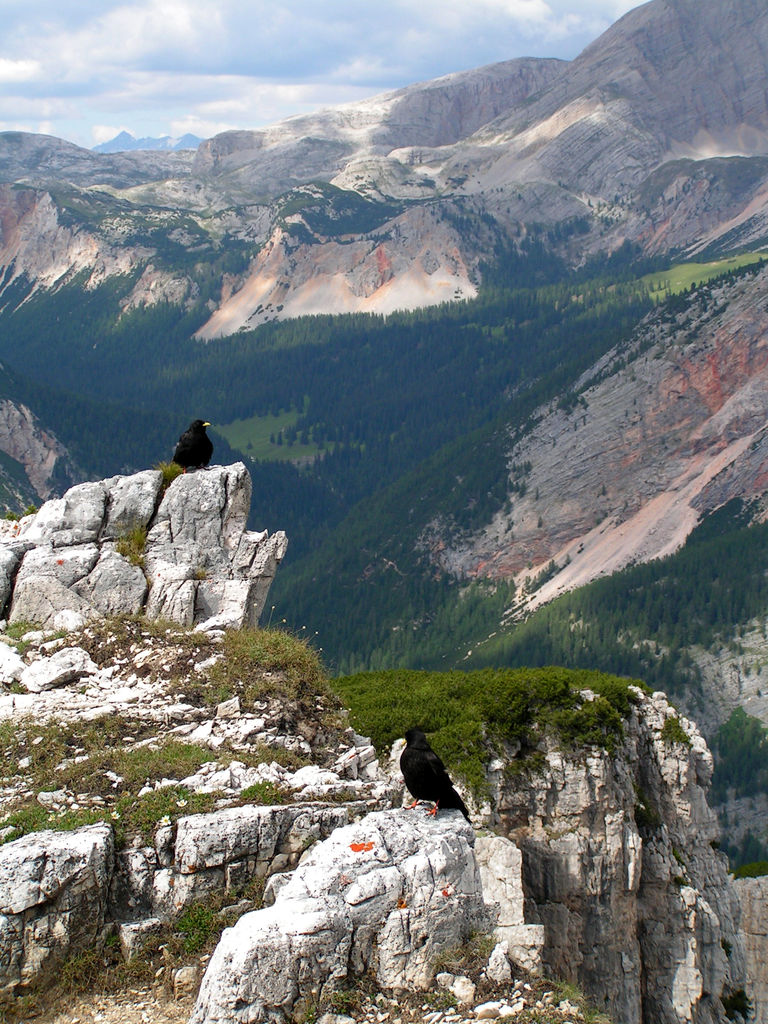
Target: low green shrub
[
  {"x": 756, "y": 869},
  {"x": 469, "y": 714},
  {"x": 737, "y": 1004},
  {"x": 673, "y": 732}
]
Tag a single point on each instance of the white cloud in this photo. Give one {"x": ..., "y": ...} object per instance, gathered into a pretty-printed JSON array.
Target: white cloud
[
  {"x": 105, "y": 132},
  {"x": 18, "y": 70}
]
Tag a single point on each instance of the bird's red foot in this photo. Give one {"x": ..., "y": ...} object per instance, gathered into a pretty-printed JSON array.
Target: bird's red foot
[
  {"x": 411, "y": 806},
  {"x": 433, "y": 812}
]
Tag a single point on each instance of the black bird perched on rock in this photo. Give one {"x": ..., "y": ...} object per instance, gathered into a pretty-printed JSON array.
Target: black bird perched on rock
[
  {"x": 425, "y": 775},
  {"x": 194, "y": 448}
]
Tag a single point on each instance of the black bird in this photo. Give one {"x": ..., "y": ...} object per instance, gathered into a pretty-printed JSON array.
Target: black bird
[
  {"x": 194, "y": 448},
  {"x": 425, "y": 775}
]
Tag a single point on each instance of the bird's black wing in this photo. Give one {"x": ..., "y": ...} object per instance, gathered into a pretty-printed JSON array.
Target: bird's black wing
[
  {"x": 433, "y": 764},
  {"x": 184, "y": 448}
]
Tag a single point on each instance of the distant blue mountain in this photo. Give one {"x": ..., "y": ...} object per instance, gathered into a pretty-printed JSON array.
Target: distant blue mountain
[{"x": 125, "y": 141}]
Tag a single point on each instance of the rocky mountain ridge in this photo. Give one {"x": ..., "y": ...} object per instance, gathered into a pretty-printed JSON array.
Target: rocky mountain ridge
[
  {"x": 125, "y": 142},
  {"x": 636, "y": 822},
  {"x": 655, "y": 134}
]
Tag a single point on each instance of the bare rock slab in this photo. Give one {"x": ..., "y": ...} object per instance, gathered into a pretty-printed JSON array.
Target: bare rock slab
[
  {"x": 382, "y": 895},
  {"x": 53, "y": 900}
]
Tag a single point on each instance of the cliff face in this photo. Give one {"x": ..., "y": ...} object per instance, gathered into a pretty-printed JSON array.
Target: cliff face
[
  {"x": 664, "y": 430},
  {"x": 620, "y": 866},
  {"x": 753, "y": 898},
  {"x": 46, "y": 462},
  {"x": 599, "y": 867}
]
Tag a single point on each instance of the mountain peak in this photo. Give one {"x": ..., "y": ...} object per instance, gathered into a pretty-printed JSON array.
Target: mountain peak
[{"x": 125, "y": 142}]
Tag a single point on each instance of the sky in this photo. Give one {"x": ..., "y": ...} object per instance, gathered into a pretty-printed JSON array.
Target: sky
[{"x": 84, "y": 70}]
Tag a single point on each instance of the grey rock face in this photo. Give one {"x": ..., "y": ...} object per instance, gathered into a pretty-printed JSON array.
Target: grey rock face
[
  {"x": 500, "y": 863},
  {"x": 384, "y": 894},
  {"x": 605, "y": 877},
  {"x": 114, "y": 585},
  {"x": 223, "y": 849},
  {"x": 753, "y": 899},
  {"x": 675, "y": 433},
  {"x": 200, "y": 564},
  {"x": 44, "y": 459},
  {"x": 619, "y": 868},
  {"x": 53, "y": 900}
]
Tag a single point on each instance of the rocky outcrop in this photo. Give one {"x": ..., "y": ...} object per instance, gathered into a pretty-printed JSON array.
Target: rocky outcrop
[
  {"x": 384, "y": 896},
  {"x": 418, "y": 256},
  {"x": 620, "y": 867},
  {"x": 62, "y": 893},
  {"x": 60, "y": 890},
  {"x": 123, "y": 545},
  {"x": 53, "y": 901},
  {"x": 753, "y": 899}
]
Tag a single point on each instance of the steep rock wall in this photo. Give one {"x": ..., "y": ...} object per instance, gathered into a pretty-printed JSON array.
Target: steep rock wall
[
  {"x": 665, "y": 429},
  {"x": 620, "y": 866},
  {"x": 753, "y": 897}
]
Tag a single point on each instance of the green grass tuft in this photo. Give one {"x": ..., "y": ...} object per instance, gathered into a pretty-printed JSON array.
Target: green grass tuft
[
  {"x": 170, "y": 471},
  {"x": 132, "y": 545}
]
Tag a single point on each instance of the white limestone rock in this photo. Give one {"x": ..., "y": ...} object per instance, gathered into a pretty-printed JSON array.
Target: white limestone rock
[
  {"x": 67, "y": 565},
  {"x": 53, "y": 899},
  {"x": 488, "y": 1011},
  {"x": 133, "y": 935},
  {"x": 384, "y": 894},
  {"x": 113, "y": 586},
  {"x": 499, "y": 969},
  {"x": 205, "y": 841},
  {"x": 61, "y": 668},
  {"x": 753, "y": 900},
  {"x": 10, "y": 557},
  {"x": 131, "y": 502},
  {"x": 202, "y": 566},
  {"x": 172, "y": 595},
  {"x": 43, "y": 599},
  {"x": 12, "y": 665},
  {"x": 76, "y": 518},
  {"x": 459, "y": 985},
  {"x": 620, "y": 872},
  {"x": 500, "y": 863},
  {"x": 200, "y": 520}
]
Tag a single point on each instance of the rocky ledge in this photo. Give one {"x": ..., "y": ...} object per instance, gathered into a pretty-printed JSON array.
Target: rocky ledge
[{"x": 127, "y": 544}]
